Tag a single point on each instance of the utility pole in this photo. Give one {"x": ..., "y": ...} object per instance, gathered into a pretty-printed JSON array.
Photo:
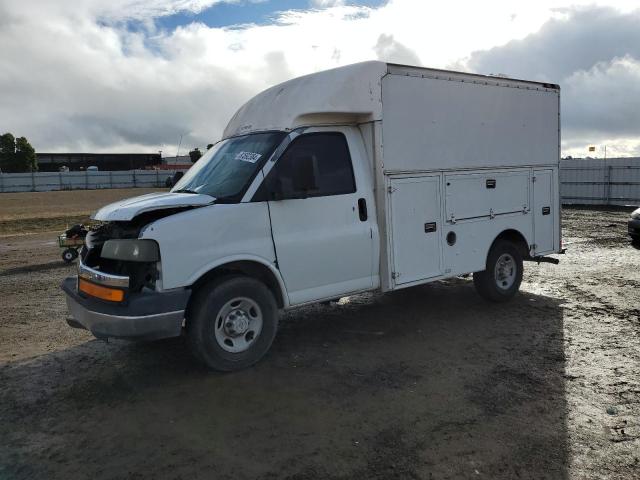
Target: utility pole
[{"x": 179, "y": 145}]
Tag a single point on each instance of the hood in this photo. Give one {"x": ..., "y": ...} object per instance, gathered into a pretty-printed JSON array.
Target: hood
[{"x": 129, "y": 208}]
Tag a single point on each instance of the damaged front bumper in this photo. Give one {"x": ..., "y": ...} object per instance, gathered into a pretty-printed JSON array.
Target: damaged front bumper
[{"x": 145, "y": 315}]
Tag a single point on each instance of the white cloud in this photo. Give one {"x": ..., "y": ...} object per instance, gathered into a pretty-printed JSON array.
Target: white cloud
[
  {"x": 389, "y": 50},
  {"x": 73, "y": 77},
  {"x": 326, "y": 3},
  {"x": 603, "y": 108}
]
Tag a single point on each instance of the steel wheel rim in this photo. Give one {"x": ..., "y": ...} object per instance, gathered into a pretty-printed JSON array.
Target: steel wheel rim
[
  {"x": 238, "y": 324},
  {"x": 505, "y": 271}
]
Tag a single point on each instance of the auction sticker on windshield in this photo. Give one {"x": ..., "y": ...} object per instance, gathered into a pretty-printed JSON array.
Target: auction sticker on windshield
[{"x": 248, "y": 157}]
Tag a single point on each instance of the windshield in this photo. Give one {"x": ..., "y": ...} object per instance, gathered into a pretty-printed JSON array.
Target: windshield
[{"x": 227, "y": 168}]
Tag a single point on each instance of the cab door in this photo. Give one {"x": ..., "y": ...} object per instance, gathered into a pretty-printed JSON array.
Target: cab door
[{"x": 321, "y": 216}]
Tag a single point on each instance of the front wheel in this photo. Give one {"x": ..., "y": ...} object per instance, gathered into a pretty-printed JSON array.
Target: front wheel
[
  {"x": 232, "y": 323},
  {"x": 501, "y": 279}
]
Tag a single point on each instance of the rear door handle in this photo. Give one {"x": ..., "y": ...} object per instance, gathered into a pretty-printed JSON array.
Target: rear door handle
[{"x": 362, "y": 209}]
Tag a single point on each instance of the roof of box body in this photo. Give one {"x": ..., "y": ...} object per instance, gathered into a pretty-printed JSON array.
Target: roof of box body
[
  {"x": 353, "y": 91},
  {"x": 349, "y": 94}
]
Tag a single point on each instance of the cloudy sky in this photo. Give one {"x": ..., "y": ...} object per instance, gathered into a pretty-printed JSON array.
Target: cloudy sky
[{"x": 135, "y": 75}]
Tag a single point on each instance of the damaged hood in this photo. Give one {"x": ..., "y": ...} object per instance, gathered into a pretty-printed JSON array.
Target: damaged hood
[{"x": 129, "y": 208}]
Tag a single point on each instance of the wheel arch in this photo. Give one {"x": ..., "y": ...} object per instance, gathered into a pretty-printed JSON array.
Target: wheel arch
[
  {"x": 249, "y": 267},
  {"x": 516, "y": 238}
]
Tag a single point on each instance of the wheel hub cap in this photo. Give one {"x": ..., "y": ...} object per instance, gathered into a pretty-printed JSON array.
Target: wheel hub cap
[
  {"x": 505, "y": 271},
  {"x": 238, "y": 324}
]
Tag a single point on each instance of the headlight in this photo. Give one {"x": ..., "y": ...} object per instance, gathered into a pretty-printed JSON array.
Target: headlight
[
  {"x": 636, "y": 214},
  {"x": 131, "y": 250}
]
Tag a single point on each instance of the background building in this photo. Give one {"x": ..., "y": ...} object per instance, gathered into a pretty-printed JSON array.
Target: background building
[
  {"x": 183, "y": 162},
  {"x": 51, "y": 162}
]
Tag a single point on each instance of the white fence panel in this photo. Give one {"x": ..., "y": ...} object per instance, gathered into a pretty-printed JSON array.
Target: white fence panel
[
  {"x": 98, "y": 180},
  {"x": 17, "y": 182},
  {"x": 121, "y": 179},
  {"x": 77, "y": 180},
  {"x": 615, "y": 181},
  {"x": 47, "y": 181},
  {"x": 147, "y": 178}
]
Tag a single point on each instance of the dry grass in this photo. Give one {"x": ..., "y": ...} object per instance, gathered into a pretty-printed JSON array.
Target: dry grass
[{"x": 52, "y": 211}]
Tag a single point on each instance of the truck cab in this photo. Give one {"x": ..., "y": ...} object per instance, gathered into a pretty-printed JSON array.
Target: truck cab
[{"x": 310, "y": 196}]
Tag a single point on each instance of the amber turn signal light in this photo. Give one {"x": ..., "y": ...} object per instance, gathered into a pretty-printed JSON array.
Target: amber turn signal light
[{"x": 98, "y": 291}]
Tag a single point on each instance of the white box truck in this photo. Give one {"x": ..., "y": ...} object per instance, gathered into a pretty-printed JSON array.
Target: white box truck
[{"x": 372, "y": 176}]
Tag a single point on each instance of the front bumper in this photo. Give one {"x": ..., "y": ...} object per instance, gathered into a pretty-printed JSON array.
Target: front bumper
[
  {"x": 634, "y": 228},
  {"x": 147, "y": 315}
]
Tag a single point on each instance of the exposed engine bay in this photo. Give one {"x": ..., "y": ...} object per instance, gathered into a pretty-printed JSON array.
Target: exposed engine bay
[{"x": 141, "y": 273}]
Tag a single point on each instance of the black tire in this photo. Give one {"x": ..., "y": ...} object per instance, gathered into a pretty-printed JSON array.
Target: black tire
[
  {"x": 488, "y": 284},
  {"x": 205, "y": 312},
  {"x": 69, "y": 255}
]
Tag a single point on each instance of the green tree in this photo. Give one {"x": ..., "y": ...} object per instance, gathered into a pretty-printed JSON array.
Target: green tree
[
  {"x": 209, "y": 146},
  {"x": 195, "y": 155},
  {"x": 17, "y": 155},
  {"x": 7, "y": 152},
  {"x": 26, "y": 155}
]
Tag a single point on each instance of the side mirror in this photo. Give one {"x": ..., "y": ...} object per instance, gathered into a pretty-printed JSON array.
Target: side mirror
[{"x": 304, "y": 177}]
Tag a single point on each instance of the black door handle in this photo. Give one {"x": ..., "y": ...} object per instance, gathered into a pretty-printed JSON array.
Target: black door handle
[
  {"x": 362, "y": 209},
  {"x": 430, "y": 227}
]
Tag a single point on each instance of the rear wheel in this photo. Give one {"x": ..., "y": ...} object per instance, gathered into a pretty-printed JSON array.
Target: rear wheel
[
  {"x": 501, "y": 279},
  {"x": 232, "y": 323}
]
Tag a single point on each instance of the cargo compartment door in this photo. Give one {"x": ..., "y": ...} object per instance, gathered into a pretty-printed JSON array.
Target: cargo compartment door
[
  {"x": 544, "y": 211},
  {"x": 416, "y": 224}
]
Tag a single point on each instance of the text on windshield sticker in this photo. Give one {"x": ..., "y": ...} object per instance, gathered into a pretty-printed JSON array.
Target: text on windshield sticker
[{"x": 248, "y": 157}]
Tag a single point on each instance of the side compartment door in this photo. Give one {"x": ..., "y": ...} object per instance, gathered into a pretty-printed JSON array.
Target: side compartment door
[
  {"x": 543, "y": 208},
  {"x": 416, "y": 225}
]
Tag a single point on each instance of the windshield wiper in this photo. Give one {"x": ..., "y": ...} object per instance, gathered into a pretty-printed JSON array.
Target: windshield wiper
[
  {"x": 185, "y": 190},
  {"x": 226, "y": 199}
]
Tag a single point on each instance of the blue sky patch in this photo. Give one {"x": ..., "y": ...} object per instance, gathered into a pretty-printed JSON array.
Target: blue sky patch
[{"x": 228, "y": 14}]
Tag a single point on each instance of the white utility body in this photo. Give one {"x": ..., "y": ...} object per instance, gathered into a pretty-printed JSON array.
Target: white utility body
[{"x": 369, "y": 176}]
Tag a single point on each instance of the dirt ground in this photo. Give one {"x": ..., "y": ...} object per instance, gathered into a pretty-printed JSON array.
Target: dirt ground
[
  {"x": 52, "y": 211},
  {"x": 429, "y": 382}
]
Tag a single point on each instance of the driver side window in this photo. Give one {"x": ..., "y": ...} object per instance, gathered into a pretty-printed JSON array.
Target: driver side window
[{"x": 314, "y": 165}]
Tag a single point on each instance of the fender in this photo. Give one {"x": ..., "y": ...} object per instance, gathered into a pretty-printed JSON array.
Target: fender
[
  {"x": 220, "y": 262},
  {"x": 516, "y": 237}
]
